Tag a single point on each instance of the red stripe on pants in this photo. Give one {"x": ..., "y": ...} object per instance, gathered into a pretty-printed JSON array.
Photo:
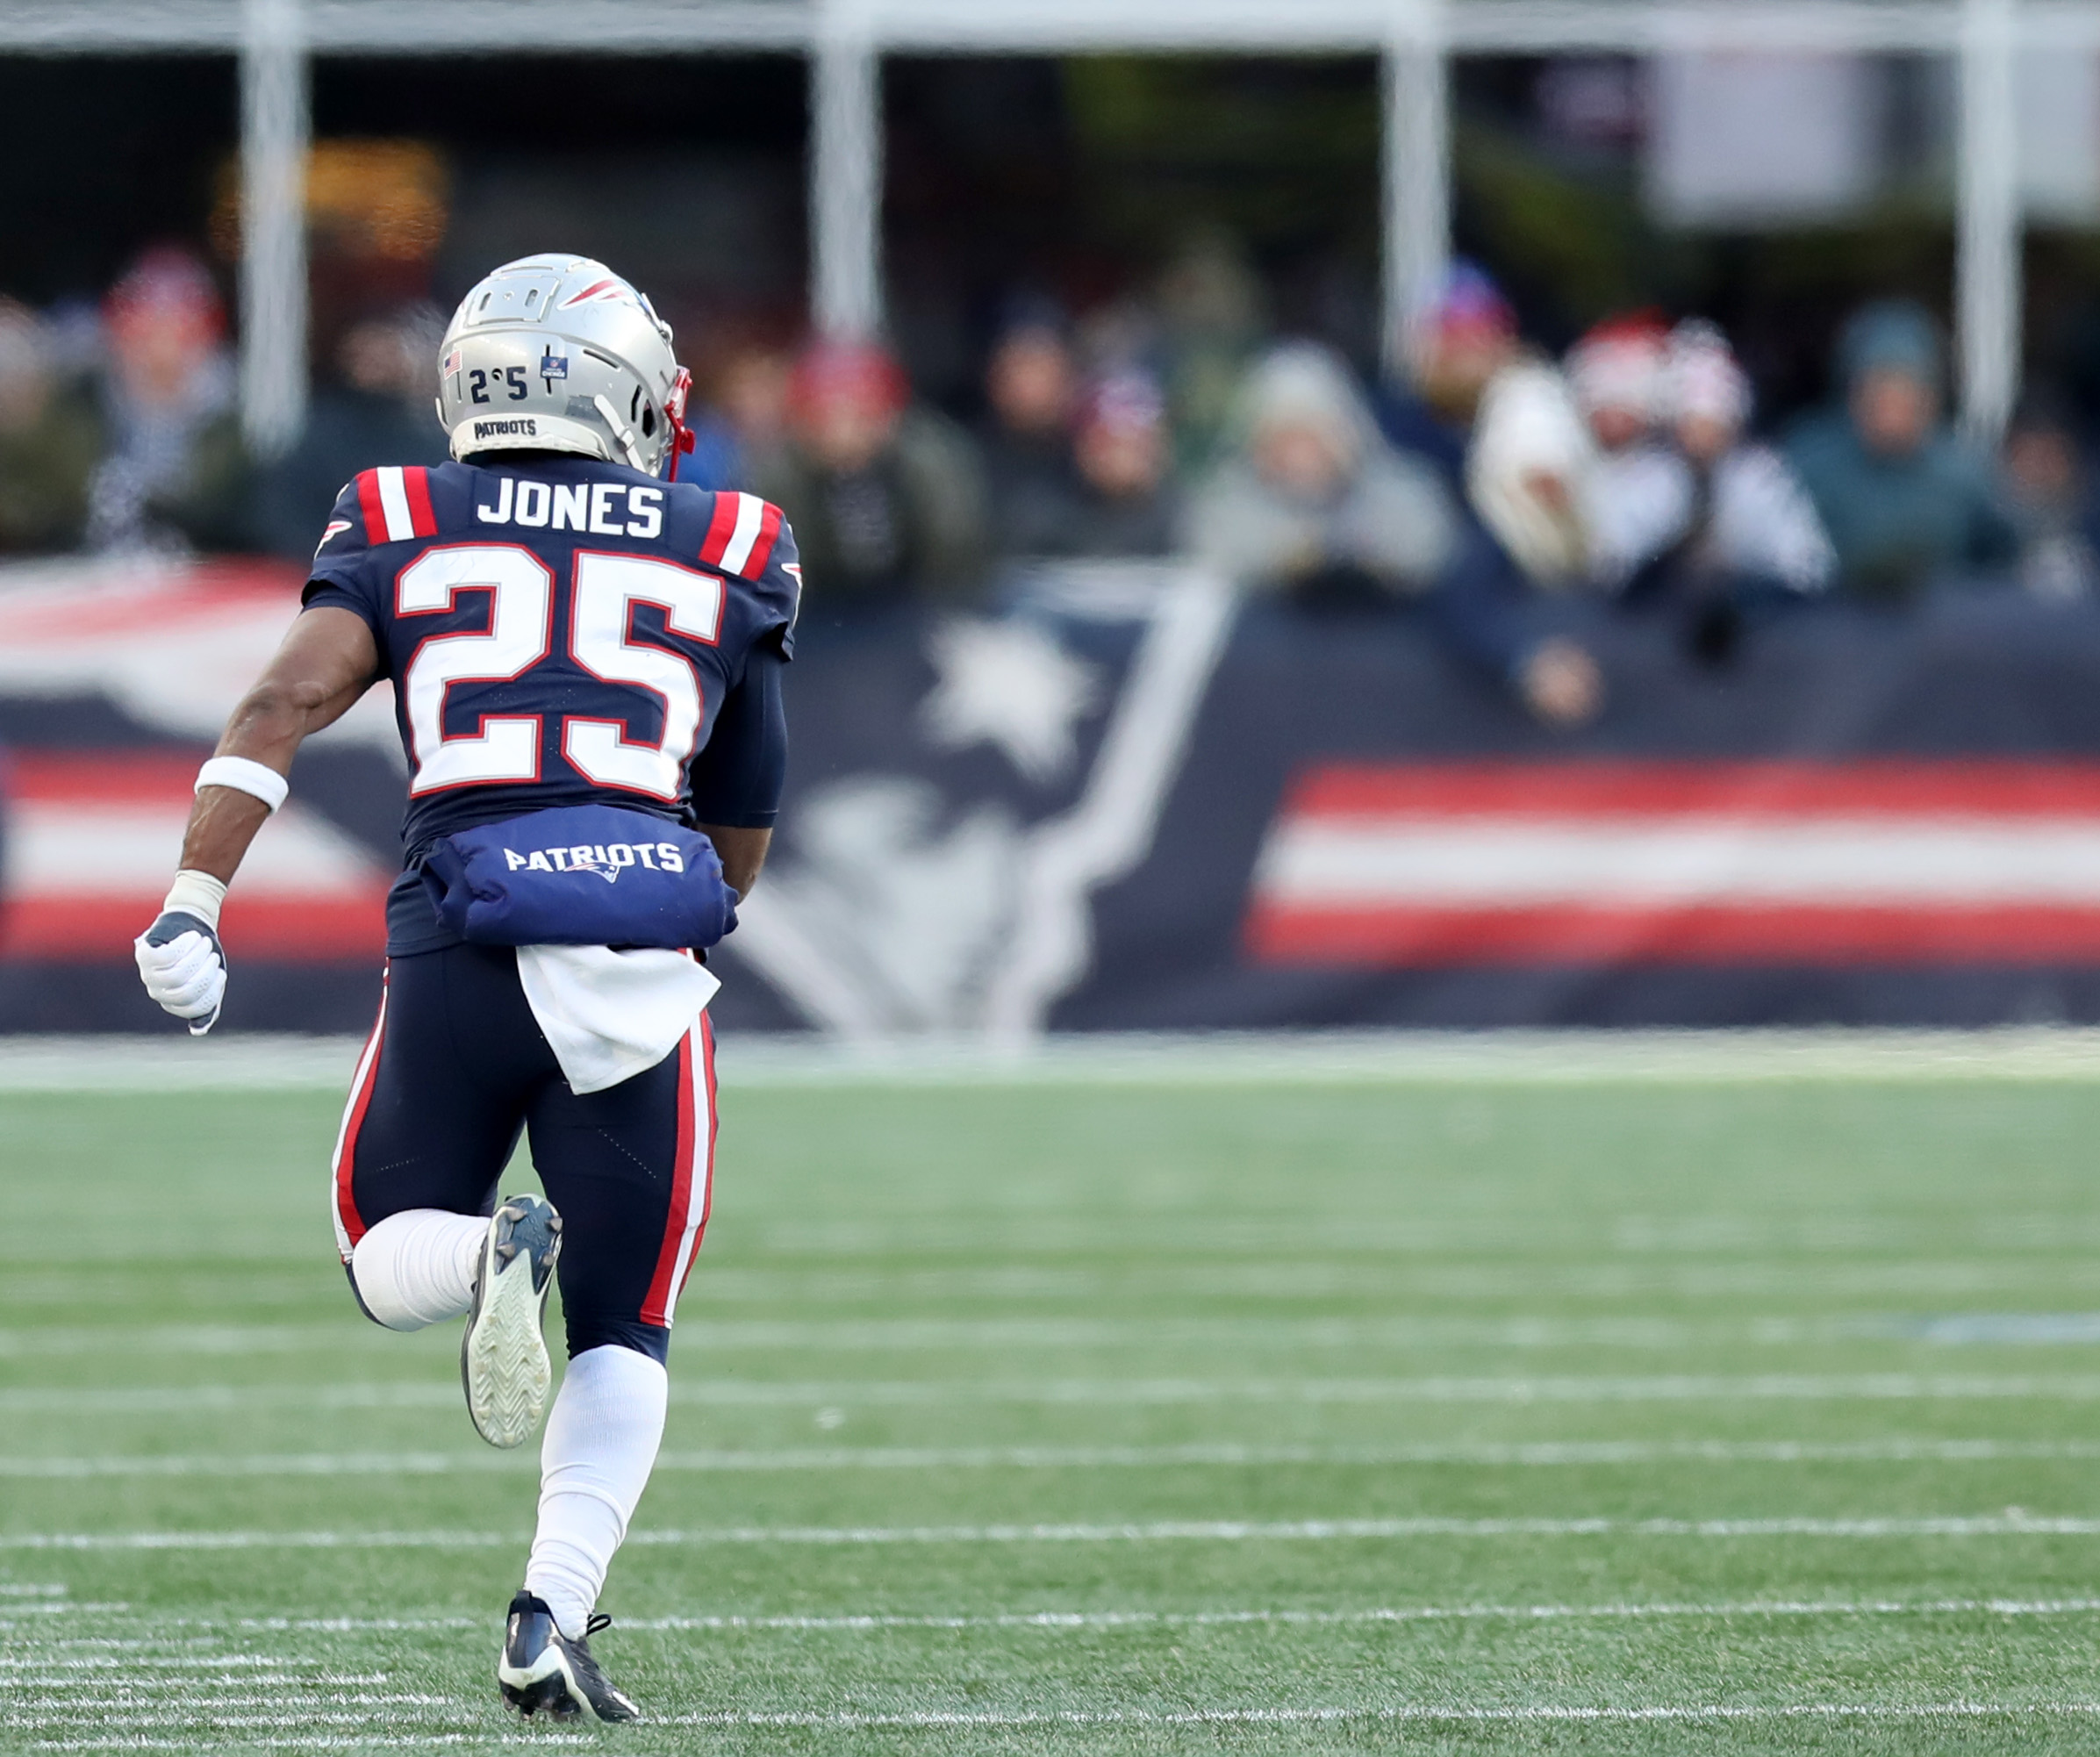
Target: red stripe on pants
[
  {"x": 656, "y": 1308},
  {"x": 700, "y": 1232},
  {"x": 345, "y": 1149}
]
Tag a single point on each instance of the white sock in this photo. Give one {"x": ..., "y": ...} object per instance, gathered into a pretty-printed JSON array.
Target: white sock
[
  {"x": 601, "y": 1444},
  {"x": 417, "y": 1267}
]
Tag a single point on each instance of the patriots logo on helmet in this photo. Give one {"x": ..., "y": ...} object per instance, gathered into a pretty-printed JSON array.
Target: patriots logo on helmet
[{"x": 608, "y": 290}]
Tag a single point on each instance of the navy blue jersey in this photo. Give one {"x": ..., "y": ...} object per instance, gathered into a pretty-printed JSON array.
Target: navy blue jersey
[{"x": 558, "y": 632}]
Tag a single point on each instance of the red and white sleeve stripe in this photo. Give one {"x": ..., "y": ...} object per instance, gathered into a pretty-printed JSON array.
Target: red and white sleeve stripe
[
  {"x": 396, "y": 502},
  {"x": 740, "y": 535}
]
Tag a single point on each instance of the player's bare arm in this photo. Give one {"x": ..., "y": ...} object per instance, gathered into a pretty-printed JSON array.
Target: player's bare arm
[
  {"x": 743, "y": 853},
  {"x": 327, "y": 662}
]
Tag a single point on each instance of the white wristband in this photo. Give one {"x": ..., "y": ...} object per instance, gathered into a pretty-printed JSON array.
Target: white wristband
[
  {"x": 196, "y": 893},
  {"x": 245, "y": 776}
]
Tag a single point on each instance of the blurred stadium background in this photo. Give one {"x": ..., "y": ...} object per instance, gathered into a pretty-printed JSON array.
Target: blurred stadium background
[{"x": 1108, "y": 721}]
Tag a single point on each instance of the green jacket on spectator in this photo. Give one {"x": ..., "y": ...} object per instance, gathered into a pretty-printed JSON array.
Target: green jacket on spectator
[
  {"x": 908, "y": 524},
  {"x": 45, "y": 465},
  {"x": 1903, "y": 500}
]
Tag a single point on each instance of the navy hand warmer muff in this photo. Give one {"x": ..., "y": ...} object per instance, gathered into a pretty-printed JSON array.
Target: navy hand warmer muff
[{"x": 580, "y": 875}]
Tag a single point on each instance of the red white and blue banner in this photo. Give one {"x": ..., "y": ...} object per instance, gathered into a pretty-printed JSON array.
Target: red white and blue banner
[
  {"x": 1120, "y": 799},
  {"x": 1397, "y": 865}
]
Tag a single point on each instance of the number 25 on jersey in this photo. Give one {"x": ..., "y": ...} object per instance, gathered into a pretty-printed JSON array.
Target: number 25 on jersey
[{"x": 606, "y": 588}]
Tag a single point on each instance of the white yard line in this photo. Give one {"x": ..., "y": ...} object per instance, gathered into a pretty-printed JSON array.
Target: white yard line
[
  {"x": 209, "y": 1717},
  {"x": 1547, "y": 1057},
  {"x": 67, "y": 1607},
  {"x": 848, "y": 1394},
  {"x": 933, "y": 1720},
  {"x": 935, "y": 1336},
  {"x": 1220, "y": 1455},
  {"x": 425, "y": 1741},
  {"x": 1198, "y": 1531},
  {"x": 261, "y": 1062},
  {"x": 196, "y": 1662},
  {"x": 1658, "y": 1388},
  {"x": 1052, "y": 1621},
  {"x": 918, "y": 1336},
  {"x": 1294, "y": 1717},
  {"x": 1428, "y": 1613},
  {"x": 236, "y": 1061}
]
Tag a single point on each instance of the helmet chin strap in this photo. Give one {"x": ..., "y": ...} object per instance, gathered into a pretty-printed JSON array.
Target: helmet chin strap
[{"x": 682, "y": 437}]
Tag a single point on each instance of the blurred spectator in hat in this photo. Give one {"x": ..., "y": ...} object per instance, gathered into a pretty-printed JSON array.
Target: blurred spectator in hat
[
  {"x": 1119, "y": 498},
  {"x": 1453, "y": 348},
  {"x": 1530, "y": 472},
  {"x": 886, "y": 498},
  {"x": 173, "y": 471},
  {"x": 1498, "y": 421},
  {"x": 1212, "y": 316},
  {"x": 1030, "y": 385},
  {"x": 1749, "y": 512},
  {"x": 1124, "y": 453},
  {"x": 373, "y": 408},
  {"x": 1904, "y": 501},
  {"x": 1618, "y": 373},
  {"x": 1310, "y": 499},
  {"x": 2049, "y": 490},
  {"x": 744, "y": 421},
  {"x": 49, "y": 440},
  {"x": 1728, "y": 526},
  {"x": 1500, "y": 426}
]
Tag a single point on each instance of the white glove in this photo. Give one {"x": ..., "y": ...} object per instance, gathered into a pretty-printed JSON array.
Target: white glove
[{"x": 181, "y": 961}]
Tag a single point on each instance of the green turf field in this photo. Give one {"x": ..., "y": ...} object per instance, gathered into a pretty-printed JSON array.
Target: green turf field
[{"x": 1619, "y": 1415}]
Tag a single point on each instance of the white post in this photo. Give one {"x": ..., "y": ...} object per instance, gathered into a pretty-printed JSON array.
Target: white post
[
  {"x": 845, "y": 175},
  {"x": 1416, "y": 171},
  {"x": 1987, "y": 297},
  {"x": 273, "y": 135}
]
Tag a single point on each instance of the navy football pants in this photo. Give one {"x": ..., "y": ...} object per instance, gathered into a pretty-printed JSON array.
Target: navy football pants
[{"x": 457, "y": 1067}]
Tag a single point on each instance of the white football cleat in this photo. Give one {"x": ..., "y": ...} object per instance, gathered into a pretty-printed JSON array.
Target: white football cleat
[{"x": 503, "y": 1357}]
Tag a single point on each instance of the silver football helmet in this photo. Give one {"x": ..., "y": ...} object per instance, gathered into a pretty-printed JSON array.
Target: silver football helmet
[{"x": 560, "y": 353}]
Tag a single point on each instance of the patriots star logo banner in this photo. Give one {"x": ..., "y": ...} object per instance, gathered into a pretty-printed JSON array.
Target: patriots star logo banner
[{"x": 943, "y": 880}]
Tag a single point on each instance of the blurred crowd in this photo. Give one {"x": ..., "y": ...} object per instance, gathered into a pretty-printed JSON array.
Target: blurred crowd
[
  {"x": 120, "y": 431},
  {"x": 1489, "y": 485}
]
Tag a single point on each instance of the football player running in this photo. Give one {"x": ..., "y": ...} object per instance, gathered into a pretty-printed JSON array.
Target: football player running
[{"x": 586, "y": 660}]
